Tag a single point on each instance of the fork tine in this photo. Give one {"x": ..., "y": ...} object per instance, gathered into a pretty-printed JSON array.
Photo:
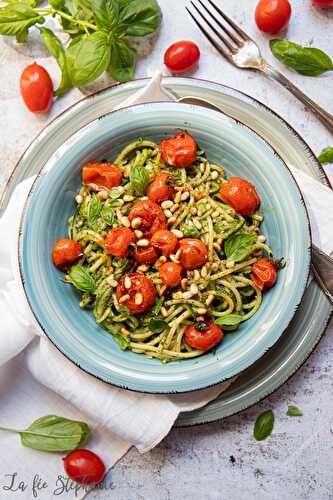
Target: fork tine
[
  {"x": 224, "y": 28},
  {"x": 241, "y": 33}
]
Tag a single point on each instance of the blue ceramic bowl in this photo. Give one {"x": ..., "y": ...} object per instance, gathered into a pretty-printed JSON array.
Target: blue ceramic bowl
[{"x": 51, "y": 201}]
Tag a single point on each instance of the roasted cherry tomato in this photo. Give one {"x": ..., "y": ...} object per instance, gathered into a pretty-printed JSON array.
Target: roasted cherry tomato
[
  {"x": 272, "y": 15},
  {"x": 323, "y": 4},
  {"x": 36, "y": 88},
  {"x": 145, "y": 255},
  {"x": 181, "y": 56},
  {"x": 171, "y": 274},
  {"x": 193, "y": 253},
  {"x": 203, "y": 335},
  {"x": 240, "y": 195},
  {"x": 161, "y": 188},
  {"x": 84, "y": 467},
  {"x": 264, "y": 274},
  {"x": 65, "y": 253},
  {"x": 152, "y": 216},
  {"x": 117, "y": 241},
  {"x": 140, "y": 292},
  {"x": 179, "y": 150},
  {"x": 165, "y": 241},
  {"x": 101, "y": 176}
]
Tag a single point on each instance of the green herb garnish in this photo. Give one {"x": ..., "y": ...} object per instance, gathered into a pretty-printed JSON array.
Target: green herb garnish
[
  {"x": 81, "y": 279},
  {"x": 326, "y": 156},
  {"x": 293, "y": 411},
  {"x": 264, "y": 425}
]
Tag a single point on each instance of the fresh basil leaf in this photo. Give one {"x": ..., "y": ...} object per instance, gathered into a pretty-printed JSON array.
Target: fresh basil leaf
[
  {"x": 157, "y": 307},
  {"x": 139, "y": 17},
  {"x": 293, "y": 411},
  {"x": 189, "y": 229},
  {"x": 115, "y": 192},
  {"x": 87, "y": 57},
  {"x": 56, "y": 49},
  {"x": 81, "y": 279},
  {"x": 229, "y": 320},
  {"x": 17, "y": 18},
  {"x": 122, "y": 341},
  {"x": 157, "y": 325},
  {"x": 95, "y": 207},
  {"x": 326, "y": 156},
  {"x": 264, "y": 425},
  {"x": 307, "y": 61},
  {"x": 123, "y": 61},
  {"x": 105, "y": 12},
  {"x": 239, "y": 245},
  {"x": 108, "y": 215},
  {"x": 139, "y": 178}
]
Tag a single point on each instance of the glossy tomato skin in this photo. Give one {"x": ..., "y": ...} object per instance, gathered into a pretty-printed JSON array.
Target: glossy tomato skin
[
  {"x": 272, "y": 15},
  {"x": 179, "y": 151},
  {"x": 117, "y": 241},
  {"x": 153, "y": 218},
  {"x": 193, "y": 253},
  {"x": 101, "y": 176},
  {"x": 323, "y": 4},
  {"x": 145, "y": 255},
  {"x": 161, "y": 188},
  {"x": 203, "y": 335},
  {"x": 139, "y": 284},
  {"x": 171, "y": 274},
  {"x": 36, "y": 88},
  {"x": 264, "y": 274},
  {"x": 181, "y": 56},
  {"x": 165, "y": 241},
  {"x": 240, "y": 195},
  {"x": 66, "y": 253},
  {"x": 84, "y": 467}
]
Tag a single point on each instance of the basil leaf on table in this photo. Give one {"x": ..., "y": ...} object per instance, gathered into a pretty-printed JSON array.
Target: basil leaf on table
[
  {"x": 157, "y": 325},
  {"x": 105, "y": 13},
  {"x": 123, "y": 61},
  {"x": 326, "y": 156},
  {"x": 139, "y": 17},
  {"x": 239, "y": 245},
  {"x": 56, "y": 49},
  {"x": 293, "y": 411},
  {"x": 139, "y": 179},
  {"x": 307, "y": 61},
  {"x": 17, "y": 18},
  {"x": 95, "y": 207},
  {"x": 264, "y": 425},
  {"x": 122, "y": 341},
  {"x": 81, "y": 279},
  {"x": 229, "y": 320}
]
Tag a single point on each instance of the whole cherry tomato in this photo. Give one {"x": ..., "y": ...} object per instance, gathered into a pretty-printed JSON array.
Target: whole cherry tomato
[
  {"x": 164, "y": 241},
  {"x": 36, "y": 88},
  {"x": 179, "y": 150},
  {"x": 142, "y": 292},
  {"x": 171, "y": 274},
  {"x": 65, "y": 253},
  {"x": 264, "y": 274},
  {"x": 323, "y": 4},
  {"x": 152, "y": 216},
  {"x": 193, "y": 253},
  {"x": 145, "y": 255},
  {"x": 101, "y": 176},
  {"x": 161, "y": 188},
  {"x": 117, "y": 241},
  {"x": 272, "y": 15},
  {"x": 84, "y": 467},
  {"x": 203, "y": 335},
  {"x": 181, "y": 56},
  {"x": 240, "y": 195}
]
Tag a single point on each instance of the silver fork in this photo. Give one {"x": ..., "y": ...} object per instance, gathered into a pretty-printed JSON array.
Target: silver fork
[{"x": 239, "y": 49}]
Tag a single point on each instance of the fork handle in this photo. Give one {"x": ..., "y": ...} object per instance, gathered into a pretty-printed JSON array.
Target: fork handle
[{"x": 325, "y": 117}]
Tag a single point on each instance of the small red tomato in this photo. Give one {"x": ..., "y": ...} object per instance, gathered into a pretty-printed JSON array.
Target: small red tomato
[
  {"x": 84, "y": 467},
  {"x": 181, "y": 56},
  {"x": 272, "y": 15},
  {"x": 145, "y": 255},
  {"x": 179, "y": 151},
  {"x": 66, "y": 253},
  {"x": 36, "y": 88},
  {"x": 161, "y": 188},
  {"x": 165, "y": 241},
  {"x": 203, "y": 335},
  {"x": 264, "y": 274},
  {"x": 323, "y": 4},
  {"x": 171, "y": 274},
  {"x": 240, "y": 195},
  {"x": 151, "y": 215},
  {"x": 101, "y": 176},
  {"x": 193, "y": 253},
  {"x": 142, "y": 292},
  {"x": 118, "y": 240}
]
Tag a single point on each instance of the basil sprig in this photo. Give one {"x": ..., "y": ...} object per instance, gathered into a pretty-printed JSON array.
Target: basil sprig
[
  {"x": 326, "y": 156},
  {"x": 264, "y": 425},
  {"x": 239, "y": 245},
  {"x": 81, "y": 279},
  {"x": 140, "y": 179},
  {"x": 229, "y": 320},
  {"x": 307, "y": 61}
]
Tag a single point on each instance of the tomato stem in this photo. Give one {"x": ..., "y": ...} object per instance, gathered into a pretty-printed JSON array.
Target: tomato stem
[{"x": 62, "y": 14}]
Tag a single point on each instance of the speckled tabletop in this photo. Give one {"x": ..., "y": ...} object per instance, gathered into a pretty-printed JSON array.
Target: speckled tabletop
[{"x": 219, "y": 460}]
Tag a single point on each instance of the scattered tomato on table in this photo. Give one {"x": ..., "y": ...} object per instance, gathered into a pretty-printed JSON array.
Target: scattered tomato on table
[
  {"x": 36, "y": 88},
  {"x": 84, "y": 467},
  {"x": 272, "y": 15},
  {"x": 181, "y": 56},
  {"x": 323, "y": 4}
]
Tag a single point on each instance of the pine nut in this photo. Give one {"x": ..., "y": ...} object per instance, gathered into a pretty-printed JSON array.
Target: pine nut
[
  {"x": 214, "y": 175},
  {"x": 143, "y": 268},
  {"x": 194, "y": 289},
  {"x": 164, "y": 312},
  {"x": 193, "y": 211},
  {"x": 127, "y": 282},
  {"x": 200, "y": 318},
  {"x": 215, "y": 266},
  {"x": 124, "y": 298},
  {"x": 204, "y": 272},
  {"x": 138, "y": 299},
  {"x": 136, "y": 222},
  {"x": 125, "y": 221},
  {"x": 179, "y": 188},
  {"x": 127, "y": 171},
  {"x": 102, "y": 195},
  {"x": 174, "y": 208},
  {"x": 174, "y": 259},
  {"x": 79, "y": 199},
  {"x": 196, "y": 275},
  {"x": 217, "y": 247},
  {"x": 142, "y": 243},
  {"x": 172, "y": 220},
  {"x": 215, "y": 214},
  {"x": 187, "y": 295},
  {"x": 261, "y": 238},
  {"x": 178, "y": 253},
  {"x": 202, "y": 168},
  {"x": 184, "y": 196},
  {"x": 210, "y": 299},
  {"x": 184, "y": 283},
  {"x": 111, "y": 281},
  {"x": 197, "y": 223},
  {"x": 162, "y": 290},
  {"x": 167, "y": 214},
  {"x": 177, "y": 296},
  {"x": 144, "y": 198},
  {"x": 220, "y": 241},
  {"x": 124, "y": 331},
  {"x": 201, "y": 310},
  {"x": 138, "y": 234},
  {"x": 230, "y": 264},
  {"x": 177, "y": 233},
  {"x": 167, "y": 204},
  {"x": 177, "y": 197},
  {"x": 128, "y": 197},
  {"x": 162, "y": 259}
]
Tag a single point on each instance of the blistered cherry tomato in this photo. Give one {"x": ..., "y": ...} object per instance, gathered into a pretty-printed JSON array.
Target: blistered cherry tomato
[
  {"x": 161, "y": 188},
  {"x": 193, "y": 253},
  {"x": 272, "y": 15},
  {"x": 84, "y": 467},
  {"x": 240, "y": 195},
  {"x": 203, "y": 335},
  {"x": 181, "y": 56},
  {"x": 145, "y": 255},
  {"x": 142, "y": 292},
  {"x": 101, "y": 176},
  {"x": 165, "y": 241},
  {"x": 264, "y": 274},
  {"x": 117, "y": 241},
  {"x": 151, "y": 215},
  {"x": 65, "y": 253},
  {"x": 171, "y": 274},
  {"x": 179, "y": 150},
  {"x": 323, "y": 4},
  {"x": 36, "y": 88}
]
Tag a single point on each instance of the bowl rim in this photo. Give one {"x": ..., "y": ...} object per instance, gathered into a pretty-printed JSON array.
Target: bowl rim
[{"x": 23, "y": 216}]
